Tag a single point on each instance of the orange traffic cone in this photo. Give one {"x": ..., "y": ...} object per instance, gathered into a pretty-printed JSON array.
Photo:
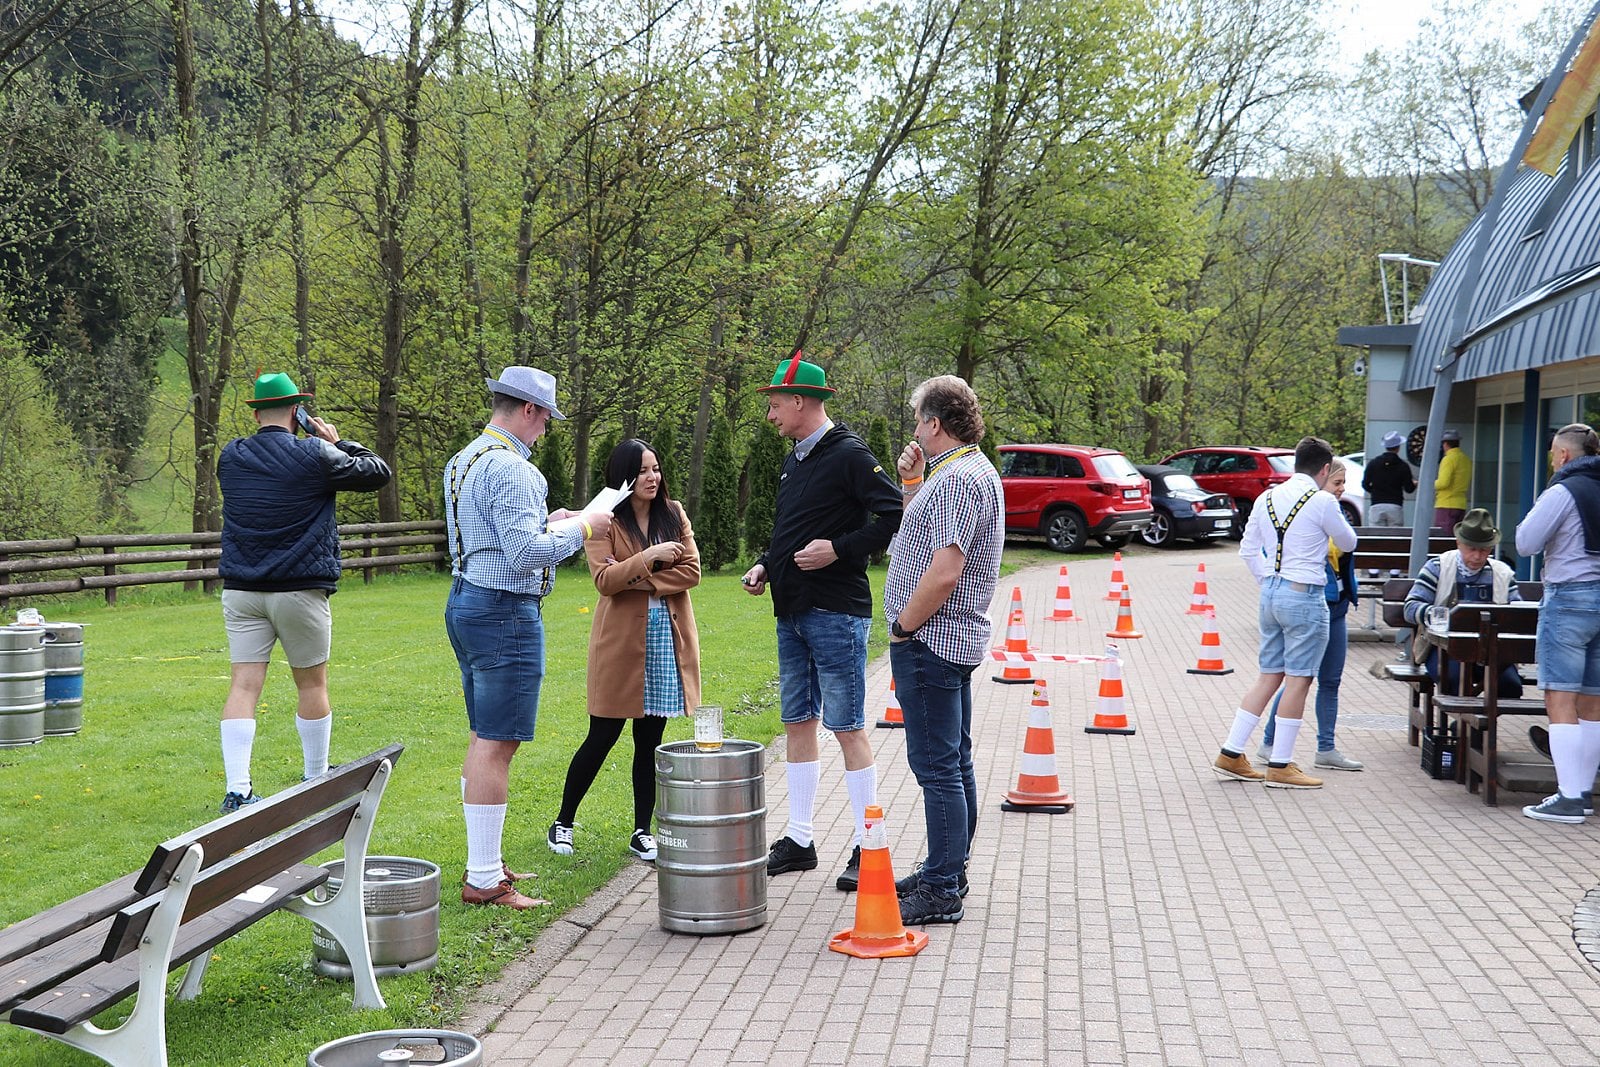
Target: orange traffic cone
[
  {"x": 1117, "y": 580},
  {"x": 1110, "y": 717},
  {"x": 1200, "y": 599},
  {"x": 1016, "y": 641},
  {"x": 1209, "y": 640},
  {"x": 878, "y": 932},
  {"x": 1063, "y": 612},
  {"x": 1125, "y": 618},
  {"x": 893, "y": 717},
  {"x": 1038, "y": 786}
]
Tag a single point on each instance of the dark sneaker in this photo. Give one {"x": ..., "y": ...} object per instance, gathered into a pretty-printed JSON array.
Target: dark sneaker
[
  {"x": 643, "y": 845},
  {"x": 787, "y": 856},
  {"x": 924, "y": 906},
  {"x": 1540, "y": 736},
  {"x": 909, "y": 884},
  {"x": 1556, "y": 808},
  {"x": 851, "y": 877},
  {"x": 232, "y": 802},
  {"x": 559, "y": 839}
]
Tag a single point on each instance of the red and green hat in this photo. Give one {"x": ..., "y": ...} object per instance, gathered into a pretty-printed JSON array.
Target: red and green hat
[
  {"x": 797, "y": 376},
  {"x": 276, "y": 391}
]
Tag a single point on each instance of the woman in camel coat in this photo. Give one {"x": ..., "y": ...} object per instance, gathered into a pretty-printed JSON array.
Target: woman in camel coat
[{"x": 644, "y": 651}]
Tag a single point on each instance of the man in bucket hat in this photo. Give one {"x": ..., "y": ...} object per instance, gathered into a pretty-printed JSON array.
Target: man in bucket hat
[
  {"x": 1468, "y": 574},
  {"x": 503, "y": 554},
  {"x": 836, "y": 509},
  {"x": 1387, "y": 480},
  {"x": 280, "y": 563}
]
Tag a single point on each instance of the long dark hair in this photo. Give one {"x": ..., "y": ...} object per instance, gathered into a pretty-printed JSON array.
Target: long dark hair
[{"x": 624, "y": 465}]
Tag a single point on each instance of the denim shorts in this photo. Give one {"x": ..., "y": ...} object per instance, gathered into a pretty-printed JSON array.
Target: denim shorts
[
  {"x": 1569, "y": 637},
  {"x": 822, "y": 668},
  {"x": 1294, "y": 627},
  {"x": 498, "y": 638},
  {"x": 300, "y": 620}
]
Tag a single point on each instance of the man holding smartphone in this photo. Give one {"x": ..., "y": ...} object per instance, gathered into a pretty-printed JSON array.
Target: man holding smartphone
[{"x": 280, "y": 563}]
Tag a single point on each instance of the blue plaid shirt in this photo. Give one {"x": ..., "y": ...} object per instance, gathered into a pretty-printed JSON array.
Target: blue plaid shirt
[
  {"x": 495, "y": 518},
  {"x": 961, "y": 505}
]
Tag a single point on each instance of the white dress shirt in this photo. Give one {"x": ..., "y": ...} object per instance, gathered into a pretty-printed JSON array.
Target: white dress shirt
[{"x": 1305, "y": 542}]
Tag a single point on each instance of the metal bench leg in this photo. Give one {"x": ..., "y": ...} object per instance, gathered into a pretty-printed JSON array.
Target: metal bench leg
[{"x": 193, "y": 976}]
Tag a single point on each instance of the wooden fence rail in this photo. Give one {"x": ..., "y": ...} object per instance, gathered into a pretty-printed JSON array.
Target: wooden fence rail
[{"x": 104, "y": 554}]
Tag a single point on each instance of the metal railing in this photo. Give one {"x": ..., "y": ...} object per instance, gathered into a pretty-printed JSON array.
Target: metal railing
[{"x": 1406, "y": 262}]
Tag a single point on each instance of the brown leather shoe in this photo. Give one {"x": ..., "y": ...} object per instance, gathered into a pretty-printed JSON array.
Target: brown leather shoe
[
  {"x": 1236, "y": 767},
  {"x": 507, "y": 873},
  {"x": 502, "y": 895},
  {"x": 1291, "y": 777}
]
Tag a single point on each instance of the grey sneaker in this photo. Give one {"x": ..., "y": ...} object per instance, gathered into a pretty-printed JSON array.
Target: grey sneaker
[
  {"x": 1264, "y": 753},
  {"x": 1588, "y": 803},
  {"x": 232, "y": 802},
  {"x": 1556, "y": 808},
  {"x": 1334, "y": 760}
]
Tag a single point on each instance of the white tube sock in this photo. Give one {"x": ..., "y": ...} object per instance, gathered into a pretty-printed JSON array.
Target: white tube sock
[
  {"x": 1590, "y": 732},
  {"x": 238, "y": 739},
  {"x": 314, "y": 735},
  {"x": 1244, "y": 724},
  {"x": 862, "y": 786},
  {"x": 1566, "y": 752},
  {"x": 1283, "y": 739},
  {"x": 802, "y": 800},
  {"x": 485, "y": 824}
]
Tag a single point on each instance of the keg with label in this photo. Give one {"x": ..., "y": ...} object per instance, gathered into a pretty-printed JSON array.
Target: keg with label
[
  {"x": 382, "y": 1048},
  {"x": 22, "y": 681},
  {"x": 401, "y": 900},
  {"x": 63, "y": 680},
  {"x": 711, "y": 837}
]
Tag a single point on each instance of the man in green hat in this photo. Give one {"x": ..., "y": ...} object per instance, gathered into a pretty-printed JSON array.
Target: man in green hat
[
  {"x": 836, "y": 509},
  {"x": 280, "y": 563}
]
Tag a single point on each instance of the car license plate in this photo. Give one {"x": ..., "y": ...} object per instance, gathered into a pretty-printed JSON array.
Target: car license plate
[
  {"x": 1222, "y": 524},
  {"x": 1131, "y": 494}
]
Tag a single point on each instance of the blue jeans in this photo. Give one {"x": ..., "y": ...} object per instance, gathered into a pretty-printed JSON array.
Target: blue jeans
[
  {"x": 936, "y": 699},
  {"x": 1330, "y": 672},
  {"x": 498, "y": 639},
  {"x": 822, "y": 668},
  {"x": 1569, "y": 637}
]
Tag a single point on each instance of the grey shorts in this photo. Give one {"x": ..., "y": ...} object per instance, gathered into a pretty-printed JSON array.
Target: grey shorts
[{"x": 301, "y": 620}]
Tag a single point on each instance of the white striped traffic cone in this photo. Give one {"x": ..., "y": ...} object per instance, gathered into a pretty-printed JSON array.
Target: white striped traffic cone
[{"x": 1038, "y": 785}]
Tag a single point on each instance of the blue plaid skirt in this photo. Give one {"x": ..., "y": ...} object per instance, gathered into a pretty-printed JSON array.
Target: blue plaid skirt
[{"x": 663, "y": 688}]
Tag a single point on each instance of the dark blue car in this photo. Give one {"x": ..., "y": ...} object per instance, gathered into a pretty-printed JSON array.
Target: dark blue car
[{"x": 1184, "y": 511}]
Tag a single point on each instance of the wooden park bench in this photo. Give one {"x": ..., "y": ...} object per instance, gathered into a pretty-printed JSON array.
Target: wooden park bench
[
  {"x": 62, "y": 967},
  {"x": 1384, "y": 549}
]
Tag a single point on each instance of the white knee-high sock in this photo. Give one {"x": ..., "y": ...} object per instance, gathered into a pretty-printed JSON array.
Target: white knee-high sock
[
  {"x": 1566, "y": 752},
  {"x": 485, "y": 824},
  {"x": 1590, "y": 732},
  {"x": 314, "y": 735},
  {"x": 802, "y": 800},
  {"x": 1244, "y": 724},
  {"x": 1283, "y": 739},
  {"x": 238, "y": 739},
  {"x": 862, "y": 786}
]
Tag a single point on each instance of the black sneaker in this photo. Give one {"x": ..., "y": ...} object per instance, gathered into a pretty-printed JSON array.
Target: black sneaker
[
  {"x": 643, "y": 845},
  {"x": 232, "y": 802},
  {"x": 1540, "y": 736},
  {"x": 924, "y": 906},
  {"x": 850, "y": 879},
  {"x": 787, "y": 856},
  {"x": 904, "y": 887},
  {"x": 559, "y": 839}
]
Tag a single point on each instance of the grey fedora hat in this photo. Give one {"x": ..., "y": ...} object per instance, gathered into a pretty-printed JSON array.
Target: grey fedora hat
[{"x": 530, "y": 384}]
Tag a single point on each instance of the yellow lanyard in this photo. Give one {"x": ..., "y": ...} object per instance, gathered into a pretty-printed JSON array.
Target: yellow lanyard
[{"x": 964, "y": 450}]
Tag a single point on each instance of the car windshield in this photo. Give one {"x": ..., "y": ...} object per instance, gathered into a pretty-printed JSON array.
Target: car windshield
[
  {"x": 1175, "y": 482},
  {"x": 1115, "y": 465},
  {"x": 1283, "y": 464}
]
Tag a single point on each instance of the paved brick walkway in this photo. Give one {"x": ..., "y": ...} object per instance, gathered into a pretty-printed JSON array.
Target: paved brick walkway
[{"x": 1171, "y": 918}]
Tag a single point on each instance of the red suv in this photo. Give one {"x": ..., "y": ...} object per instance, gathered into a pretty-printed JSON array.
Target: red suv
[
  {"x": 1243, "y": 472},
  {"x": 1070, "y": 493}
]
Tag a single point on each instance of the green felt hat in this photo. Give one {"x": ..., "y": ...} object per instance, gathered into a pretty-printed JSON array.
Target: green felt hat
[
  {"x": 276, "y": 391},
  {"x": 1477, "y": 528},
  {"x": 797, "y": 376}
]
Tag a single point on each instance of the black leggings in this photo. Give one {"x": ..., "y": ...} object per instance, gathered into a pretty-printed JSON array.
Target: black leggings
[{"x": 591, "y": 755}]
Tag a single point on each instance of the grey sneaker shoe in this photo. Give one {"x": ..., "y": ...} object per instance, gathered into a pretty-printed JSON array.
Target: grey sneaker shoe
[
  {"x": 1264, "y": 753},
  {"x": 1334, "y": 760},
  {"x": 1556, "y": 808},
  {"x": 1588, "y": 803}
]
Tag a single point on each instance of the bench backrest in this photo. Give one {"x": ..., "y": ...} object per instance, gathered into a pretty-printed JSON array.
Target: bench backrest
[
  {"x": 242, "y": 849},
  {"x": 1388, "y": 548}
]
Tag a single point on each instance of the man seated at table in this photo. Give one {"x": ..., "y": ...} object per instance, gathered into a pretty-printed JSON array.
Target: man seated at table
[{"x": 1465, "y": 575}]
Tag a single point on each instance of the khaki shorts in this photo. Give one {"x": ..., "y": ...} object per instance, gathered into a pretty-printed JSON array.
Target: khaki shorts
[{"x": 300, "y": 619}]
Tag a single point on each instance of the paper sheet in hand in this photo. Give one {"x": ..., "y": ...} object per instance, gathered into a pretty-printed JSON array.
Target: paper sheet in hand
[{"x": 605, "y": 500}]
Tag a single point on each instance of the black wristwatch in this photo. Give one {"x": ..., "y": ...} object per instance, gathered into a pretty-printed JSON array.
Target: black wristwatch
[{"x": 897, "y": 630}]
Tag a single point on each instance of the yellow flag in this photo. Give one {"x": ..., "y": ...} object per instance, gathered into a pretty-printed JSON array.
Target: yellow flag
[{"x": 1572, "y": 101}]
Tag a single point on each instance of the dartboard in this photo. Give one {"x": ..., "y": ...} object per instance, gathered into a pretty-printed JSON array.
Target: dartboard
[{"x": 1416, "y": 441}]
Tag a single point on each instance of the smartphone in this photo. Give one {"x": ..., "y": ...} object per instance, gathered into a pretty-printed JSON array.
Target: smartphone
[{"x": 304, "y": 420}]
